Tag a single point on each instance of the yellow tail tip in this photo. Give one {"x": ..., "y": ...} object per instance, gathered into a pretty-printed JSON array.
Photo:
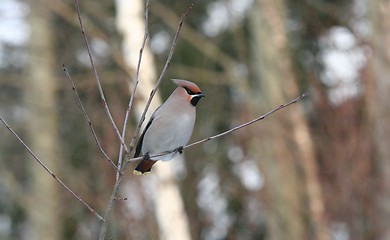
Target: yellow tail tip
[{"x": 138, "y": 173}]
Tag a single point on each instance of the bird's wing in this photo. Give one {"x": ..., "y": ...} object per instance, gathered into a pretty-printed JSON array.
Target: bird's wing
[{"x": 141, "y": 139}]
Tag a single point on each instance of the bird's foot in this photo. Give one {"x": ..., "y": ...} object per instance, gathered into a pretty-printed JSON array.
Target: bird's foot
[
  {"x": 146, "y": 156},
  {"x": 179, "y": 149}
]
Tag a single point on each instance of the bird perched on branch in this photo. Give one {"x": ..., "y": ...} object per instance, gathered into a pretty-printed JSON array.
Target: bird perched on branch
[{"x": 170, "y": 127}]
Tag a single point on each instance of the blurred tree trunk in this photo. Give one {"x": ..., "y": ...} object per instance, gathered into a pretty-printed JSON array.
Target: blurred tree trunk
[
  {"x": 39, "y": 88},
  {"x": 287, "y": 157},
  {"x": 378, "y": 99},
  {"x": 169, "y": 207}
]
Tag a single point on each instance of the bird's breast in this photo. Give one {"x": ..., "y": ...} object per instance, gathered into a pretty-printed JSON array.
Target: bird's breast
[{"x": 168, "y": 132}]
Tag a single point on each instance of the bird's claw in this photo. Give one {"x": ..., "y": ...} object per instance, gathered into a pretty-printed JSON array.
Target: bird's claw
[
  {"x": 146, "y": 156},
  {"x": 179, "y": 149}
]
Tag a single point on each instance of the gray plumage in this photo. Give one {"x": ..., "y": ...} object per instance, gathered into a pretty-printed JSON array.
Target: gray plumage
[{"x": 170, "y": 126}]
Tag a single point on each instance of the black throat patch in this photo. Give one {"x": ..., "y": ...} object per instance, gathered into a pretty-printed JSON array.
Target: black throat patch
[{"x": 195, "y": 100}]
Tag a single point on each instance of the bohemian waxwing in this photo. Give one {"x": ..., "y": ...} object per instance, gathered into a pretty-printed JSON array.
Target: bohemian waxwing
[{"x": 170, "y": 127}]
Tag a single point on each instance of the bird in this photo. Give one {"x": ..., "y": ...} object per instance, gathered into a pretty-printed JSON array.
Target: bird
[{"x": 170, "y": 126}]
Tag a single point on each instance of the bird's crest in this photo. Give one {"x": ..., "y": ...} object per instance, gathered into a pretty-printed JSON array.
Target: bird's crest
[{"x": 187, "y": 85}]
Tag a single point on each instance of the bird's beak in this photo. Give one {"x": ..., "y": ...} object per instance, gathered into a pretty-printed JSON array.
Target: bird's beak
[{"x": 200, "y": 95}]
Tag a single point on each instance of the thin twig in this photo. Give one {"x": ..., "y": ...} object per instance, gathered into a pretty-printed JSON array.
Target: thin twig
[
  {"x": 49, "y": 171},
  {"x": 83, "y": 33},
  {"x": 88, "y": 120},
  {"x": 262, "y": 117},
  {"x": 146, "y": 34},
  {"x": 167, "y": 63},
  {"x": 110, "y": 205}
]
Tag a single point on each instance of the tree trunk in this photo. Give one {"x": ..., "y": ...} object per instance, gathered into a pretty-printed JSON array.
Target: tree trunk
[
  {"x": 169, "y": 207},
  {"x": 378, "y": 98},
  {"x": 40, "y": 86},
  {"x": 287, "y": 149}
]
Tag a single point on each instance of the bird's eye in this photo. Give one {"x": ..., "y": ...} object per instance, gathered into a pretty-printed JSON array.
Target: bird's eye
[{"x": 189, "y": 91}]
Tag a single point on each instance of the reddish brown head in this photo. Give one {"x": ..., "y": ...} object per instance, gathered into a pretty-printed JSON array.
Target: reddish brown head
[{"x": 191, "y": 91}]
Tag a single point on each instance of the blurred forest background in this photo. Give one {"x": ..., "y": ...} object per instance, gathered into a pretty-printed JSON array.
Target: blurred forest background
[{"x": 319, "y": 169}]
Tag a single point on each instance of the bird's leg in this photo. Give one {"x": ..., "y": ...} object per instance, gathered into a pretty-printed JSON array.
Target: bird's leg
[
  {"x": 146, "y": 156},
  {"x": 179, "y": 150}
]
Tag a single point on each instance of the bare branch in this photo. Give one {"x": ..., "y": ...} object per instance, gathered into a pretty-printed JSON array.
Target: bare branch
[
  {"x": 89, "y": 121},
  {"x": 167, "y": 63},
  {"x": 262, "y": 117},
  {"x": 49, "y": 171},
  {"x": 110, "y": 205},
  {"x": 146, "y": 34},
  {"x": 83, "y": 33}
]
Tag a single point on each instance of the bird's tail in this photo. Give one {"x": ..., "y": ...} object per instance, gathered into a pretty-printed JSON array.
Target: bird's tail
[{"x": 144, "y": 167}]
